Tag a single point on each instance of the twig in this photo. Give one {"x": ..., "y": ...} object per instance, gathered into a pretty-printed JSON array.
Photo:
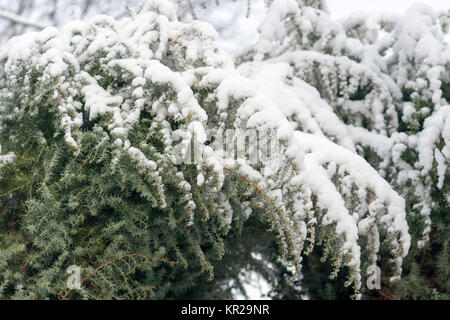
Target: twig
[
  {"x": 64, "y": 297},
  {"x": 258, "y": 189},
  {"x": 22, "y": 20}
]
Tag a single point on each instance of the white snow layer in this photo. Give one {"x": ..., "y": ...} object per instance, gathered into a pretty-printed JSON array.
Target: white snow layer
[{"x": 153, "y": 51}]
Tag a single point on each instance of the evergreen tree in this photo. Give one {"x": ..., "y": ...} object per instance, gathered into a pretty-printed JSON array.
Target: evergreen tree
[{"x": 112, "y": 160}]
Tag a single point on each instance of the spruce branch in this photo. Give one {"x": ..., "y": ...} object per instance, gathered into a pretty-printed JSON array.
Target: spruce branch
[{"x": 110, "y": 262}]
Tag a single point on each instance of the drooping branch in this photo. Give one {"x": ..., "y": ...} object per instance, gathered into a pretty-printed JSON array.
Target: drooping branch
[{"x": 22, "y": 20}]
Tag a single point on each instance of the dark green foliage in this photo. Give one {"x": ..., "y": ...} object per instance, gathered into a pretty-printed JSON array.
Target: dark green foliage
[{"x": 90, "y": 189}]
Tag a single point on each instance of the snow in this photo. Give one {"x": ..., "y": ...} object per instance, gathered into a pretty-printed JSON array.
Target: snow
[
  {"x": 435, "y": 125},
  {"x": 308, "y": 100},
  {"x": 237, "y": 30},
  {"x": 139, "y": 156},
  {"x": 200, "y": 179},
  {"x": 255, "y": 287},
  {"x": 342, "y": 8},
  {"x": 6, "y": 158},
  {"x": 441, "y": 168},
  {"x": 22, "y": 20}
]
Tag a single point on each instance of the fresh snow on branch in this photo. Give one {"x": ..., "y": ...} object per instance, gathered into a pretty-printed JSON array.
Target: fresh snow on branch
[
  {"x": 22, "y": 20},
  {"x": 363, "y": 132}
]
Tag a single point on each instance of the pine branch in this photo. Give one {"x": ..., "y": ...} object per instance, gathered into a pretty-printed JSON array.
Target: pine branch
[{"x": 103, "y": 265}]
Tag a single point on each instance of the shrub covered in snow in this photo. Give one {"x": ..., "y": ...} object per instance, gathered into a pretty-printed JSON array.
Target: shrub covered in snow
[{"x": 96, "y": 116}]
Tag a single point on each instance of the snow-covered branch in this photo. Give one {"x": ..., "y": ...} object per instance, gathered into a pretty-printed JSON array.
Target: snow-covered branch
[{"x": 22, "y": 20}]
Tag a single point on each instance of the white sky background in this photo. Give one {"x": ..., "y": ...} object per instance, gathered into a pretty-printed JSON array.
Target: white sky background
[{"x": 342, "y": 8}]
